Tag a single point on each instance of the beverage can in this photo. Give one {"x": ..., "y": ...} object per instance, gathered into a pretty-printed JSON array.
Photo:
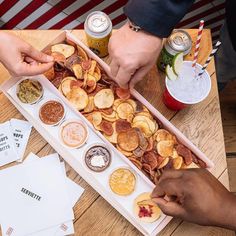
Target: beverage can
[
  {"x": 98, "y": 28},
  {"x": 179, "y": 41}
]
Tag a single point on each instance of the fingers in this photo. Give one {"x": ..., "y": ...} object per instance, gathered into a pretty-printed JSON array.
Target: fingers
[
  {"x": 169, "y": 187},
  {"x": 170, "y": 208},
  {"x": 139, "y": 75},
  {"x": 35, "y": 54},
  {"x": 122, "y": 78},
  {"x": 25, "y": 69},
  {"x": 171, "y": 174},
  {"x": 114, "y": 68}
]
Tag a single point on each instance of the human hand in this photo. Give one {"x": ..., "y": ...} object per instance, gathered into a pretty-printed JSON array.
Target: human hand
[
  {"x": 132, "y": 54},
  {"x": 195, "y": 195},
  {"x": 20, "y": 58}
]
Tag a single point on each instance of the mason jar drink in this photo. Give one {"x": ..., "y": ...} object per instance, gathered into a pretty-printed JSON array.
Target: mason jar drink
[
  {"x": 188, "y": 88},
  {"x": 98, "y": 28},
  {"x": 179, "y": 41}
]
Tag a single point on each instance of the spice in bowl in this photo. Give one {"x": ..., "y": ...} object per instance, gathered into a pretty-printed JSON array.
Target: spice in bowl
[
  {"x": 122, "y": 181},
  {"x": 29, "y": 91},
  {"x": 51, "y": 112},
  {"x": 98, "y": 158},
  {"x": 74, "y": 134}
]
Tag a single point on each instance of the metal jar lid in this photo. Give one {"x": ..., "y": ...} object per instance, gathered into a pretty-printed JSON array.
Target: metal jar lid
[
  {"x": 180, "y": 41},
  {"x": 97, "y": 22}
]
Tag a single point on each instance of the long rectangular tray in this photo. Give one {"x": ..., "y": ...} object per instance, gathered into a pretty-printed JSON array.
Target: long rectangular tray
[{"x": 75, "y": 157}]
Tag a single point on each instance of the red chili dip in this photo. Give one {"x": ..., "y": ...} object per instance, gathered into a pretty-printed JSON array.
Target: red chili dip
[
  {"x": 74, "y": 134},
  {"x": 51, "y": 112}
]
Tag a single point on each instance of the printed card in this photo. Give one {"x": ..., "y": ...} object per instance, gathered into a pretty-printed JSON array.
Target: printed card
[{"x": 8, "y": 151}]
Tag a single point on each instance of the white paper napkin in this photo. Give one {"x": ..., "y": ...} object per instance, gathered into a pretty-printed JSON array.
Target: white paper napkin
[{"x": 35, "y": 197}]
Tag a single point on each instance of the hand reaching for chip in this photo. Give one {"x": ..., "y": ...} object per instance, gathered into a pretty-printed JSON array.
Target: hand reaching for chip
[
  {"x": 197, "y": 196},
  {"x": 132, "y": 54},
  {"x": 20, "y": 58}
]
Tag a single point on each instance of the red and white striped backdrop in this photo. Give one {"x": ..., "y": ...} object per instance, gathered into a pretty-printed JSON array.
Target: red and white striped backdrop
[{"x": 70, "y": 14}]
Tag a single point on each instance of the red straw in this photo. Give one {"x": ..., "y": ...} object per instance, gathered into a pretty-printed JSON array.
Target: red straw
[{"x": 198, "y": 43}]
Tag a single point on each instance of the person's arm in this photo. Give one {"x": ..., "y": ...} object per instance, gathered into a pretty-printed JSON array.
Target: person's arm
[
  {"x": 158, "y": 17},
  {"x": 20, "y": 58},
  {"x": 195, "y": 195},
  {"x": 133, "y": 54}
]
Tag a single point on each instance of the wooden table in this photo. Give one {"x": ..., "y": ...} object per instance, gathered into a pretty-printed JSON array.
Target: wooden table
[{"x": 200, "y": 123}]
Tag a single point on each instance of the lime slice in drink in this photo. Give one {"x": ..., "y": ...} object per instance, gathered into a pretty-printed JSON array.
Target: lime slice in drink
[
  {"x": 177, "y": 62},
  {"x": 170, "y": 73}
]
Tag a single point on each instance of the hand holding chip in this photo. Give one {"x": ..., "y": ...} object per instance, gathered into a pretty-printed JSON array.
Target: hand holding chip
[
  {"x": 132, "y": 54},
  {"x": 197, "y": 196},
  {"x": 20, "y": 58}
]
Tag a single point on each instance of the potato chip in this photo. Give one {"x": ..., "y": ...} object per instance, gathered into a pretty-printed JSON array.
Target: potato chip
[
  {"x": 136, "y": 162},
  {"x": 104, "y": 98},
  {"x": 150, "y": 144},
  {"x": 78, "y": 71},
  {"x": 116, "y": 103},
  {"x": 66, "y": 50},
  {"x": 49, "y": 74},
  {"x": 86, "y": 64},
  {"x": 72, "y": 60},
  {"x": 78, "y": 98},
  {"x": 145, "y": 113},
  {"x": 66, "y": 85},
  {"x": 112, "y": 117},
  {"x": 143, "y": 126},
  {"x": 124, "y": 110},
  {"x": 106, "y": 127},
  {"x": 97, "y": 73},
  {"x": 107, "y": 111},
  {"x": 76, "y": 84},
  {"x": 90, "y": 106},
  {"x": 96, "y": 118},
  {"x": 185, "y": 153},
  {"x": 164, "y": 163},
  {"x": 82, "y": 53},
  {"x": 138, "y": 152},
  {"x": 123, "y": 93},
  {"x": 126, "y": 153},
  {"x": 92, "y": 67},
  {"x": 59, "y": 58},
  {"x": 177, "y": 162},
  {"x": 151, "y": 123},
  {"x": 128, "y": 140},
  {"x": 112, "y": 138},
  {"x": 163, "y": 134},
  {"x": 151, "y": 159},
  {"x": 122, "y": 125},
  {"x": 132, "y": 103},
  {"x": 165, "y": 148}
]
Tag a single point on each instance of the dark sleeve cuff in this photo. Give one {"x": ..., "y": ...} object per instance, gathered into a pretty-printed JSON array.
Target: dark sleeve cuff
[{"x": 157, "y": 17}]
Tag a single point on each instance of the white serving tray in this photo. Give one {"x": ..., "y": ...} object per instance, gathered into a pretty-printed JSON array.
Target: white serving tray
[{"x": 74, "y": 157}]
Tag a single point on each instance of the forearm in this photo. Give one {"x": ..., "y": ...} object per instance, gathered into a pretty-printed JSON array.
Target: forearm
[{"x": 157, "y": 17}]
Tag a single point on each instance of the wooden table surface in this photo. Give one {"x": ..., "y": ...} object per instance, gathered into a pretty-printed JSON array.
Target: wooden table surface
[{"x": 200, "y": 123}]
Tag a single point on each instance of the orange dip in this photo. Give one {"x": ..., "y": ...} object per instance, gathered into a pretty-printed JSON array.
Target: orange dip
[
  {"x": 74, "y": 134},
  {"x": 51, "y": 112}
]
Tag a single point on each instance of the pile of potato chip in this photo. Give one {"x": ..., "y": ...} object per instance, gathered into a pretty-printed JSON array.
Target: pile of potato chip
[{"x": 124, "y": 121}]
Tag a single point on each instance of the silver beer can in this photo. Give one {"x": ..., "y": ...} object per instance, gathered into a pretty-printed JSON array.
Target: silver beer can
[
  {"x": 179, "y": 41},
  {"x": 98, "y": 28}
]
